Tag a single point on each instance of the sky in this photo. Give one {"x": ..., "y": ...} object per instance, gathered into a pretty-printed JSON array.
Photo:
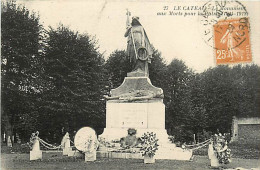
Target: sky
[{"x": 175, "y": 36}]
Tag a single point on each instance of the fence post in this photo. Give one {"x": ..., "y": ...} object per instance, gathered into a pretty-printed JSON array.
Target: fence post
[
  {"x": 36, "y": 153},
  {"x": 67, "y": 149}
]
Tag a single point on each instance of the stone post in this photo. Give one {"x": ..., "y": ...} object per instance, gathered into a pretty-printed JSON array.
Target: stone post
[
  {"x": 67, "y": 149},
  {"x": 36, "y": 153},
  {"x": 90, "y": 157}
]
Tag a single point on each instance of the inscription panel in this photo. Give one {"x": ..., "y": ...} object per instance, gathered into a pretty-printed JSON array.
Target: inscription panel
[
  {"x": 127, "y": 115},
  {"x": 133, "y": 117}
]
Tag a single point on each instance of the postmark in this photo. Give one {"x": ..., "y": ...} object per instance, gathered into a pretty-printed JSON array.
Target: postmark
[
  {"x": 232, "y": 41},
  {"x": 214, "y": 11}
]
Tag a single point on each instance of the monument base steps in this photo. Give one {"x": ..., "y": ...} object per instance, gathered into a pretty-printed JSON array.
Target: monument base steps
[
  {"x": 166, "y": 149},
  {"x": 177, "y": 154},
  {"x": 169, "y": 152}
]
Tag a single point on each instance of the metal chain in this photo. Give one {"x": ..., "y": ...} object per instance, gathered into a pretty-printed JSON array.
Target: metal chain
[
  {"x": 199, "y": 143},
  {"x": 200, "y": 146},
  {"x": 47, "y": 145}
]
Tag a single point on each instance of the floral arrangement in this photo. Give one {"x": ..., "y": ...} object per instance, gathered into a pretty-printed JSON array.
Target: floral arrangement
[
  {"x": 149, "y": 144},
  {"x": 221, "y": 149},
  {"x": 102, "y": 141},
  {"x": 33, "y": 137},
  {"x": 113, "y": 147},
  {"x": 108, "y": 144}
]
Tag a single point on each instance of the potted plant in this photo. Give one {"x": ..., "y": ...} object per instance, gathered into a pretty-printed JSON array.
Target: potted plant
[{"x": 149, "y": 146}]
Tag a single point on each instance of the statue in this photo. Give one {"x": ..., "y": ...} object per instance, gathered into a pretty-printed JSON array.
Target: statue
[
  {"x": 138, "y": 46},
  {"x": 130, "y": 140},
  {"x": 140, "y": 53}
]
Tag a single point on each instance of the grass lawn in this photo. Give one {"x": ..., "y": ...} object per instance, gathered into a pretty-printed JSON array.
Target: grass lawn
[
  {"x": 238, "y": 150},
  {"x": 243, "y": 155},
  {"x": 57, "y": 161}
]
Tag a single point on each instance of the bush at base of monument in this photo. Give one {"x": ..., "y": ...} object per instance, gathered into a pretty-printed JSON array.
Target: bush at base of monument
[{"x": 149, "y": 146}]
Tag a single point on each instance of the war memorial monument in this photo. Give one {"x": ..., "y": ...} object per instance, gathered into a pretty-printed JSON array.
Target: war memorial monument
[{"x": 136, "y": 103}]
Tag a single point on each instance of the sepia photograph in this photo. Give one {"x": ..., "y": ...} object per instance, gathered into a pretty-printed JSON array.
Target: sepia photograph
[{"x": 121, "y": 84}]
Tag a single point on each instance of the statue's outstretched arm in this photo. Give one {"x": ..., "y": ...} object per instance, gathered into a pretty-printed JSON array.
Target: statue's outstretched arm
[{"x": 127, "y": 31}]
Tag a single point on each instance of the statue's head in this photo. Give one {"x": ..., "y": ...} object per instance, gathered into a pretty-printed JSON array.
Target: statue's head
[
  {"x": 131, "y": 131},
  {"x": 135, "y": 20}
]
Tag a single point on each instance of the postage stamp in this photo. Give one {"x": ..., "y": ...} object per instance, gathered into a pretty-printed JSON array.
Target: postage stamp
[{"x": 232, "y": 41}]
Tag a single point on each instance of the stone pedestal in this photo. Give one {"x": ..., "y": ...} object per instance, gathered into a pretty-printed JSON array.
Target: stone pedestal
[
  {"x": 149, "y": 160},
  {"x": 210, "y": 151},
  {"x": 36, "y": 153},
  {"x": 146, "y": 114},
  {"x": 214, "y": 162},
  {"x": 90, "y": 157},
  {"x": 67, "y": 151}
]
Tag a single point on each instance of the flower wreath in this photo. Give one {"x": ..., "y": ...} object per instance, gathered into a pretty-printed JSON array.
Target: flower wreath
[
  {"x": 149, "y": 144},
  {"x": 221, "y": 149},
  {"x": 91, "y": 145}
]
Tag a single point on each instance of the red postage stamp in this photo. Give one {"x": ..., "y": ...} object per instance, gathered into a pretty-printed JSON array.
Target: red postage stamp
[{"x": 232, "y": 41}]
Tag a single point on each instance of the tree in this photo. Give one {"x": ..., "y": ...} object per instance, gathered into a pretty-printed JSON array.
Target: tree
[
  {"x": 20, "y": 42},
  {"x": 219, "y": 92},
  {"x": 117, "y": 66},
  {"x": 246, "y": 83},
  {"x": 177, "y": 99},
  {"x": 157, "y": 69},
  {"x": 228, "y": 92},
  {"x": 74, "y": 69}
]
